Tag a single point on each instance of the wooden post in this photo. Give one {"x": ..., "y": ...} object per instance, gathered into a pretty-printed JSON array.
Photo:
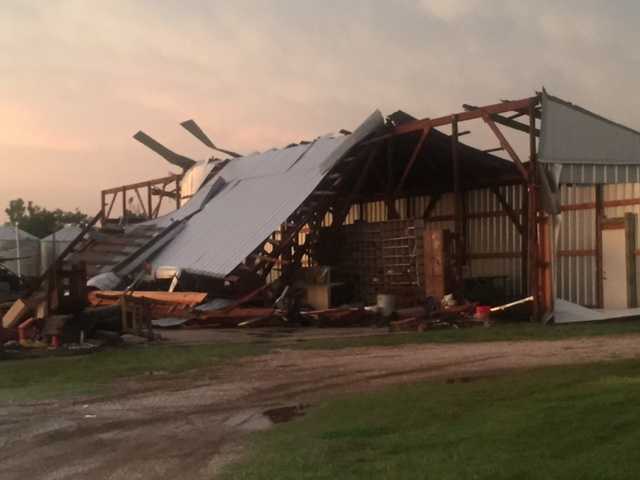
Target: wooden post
[
  {"x": 149, "y": 203},
  {"x": 178, "y": 193},
  {"x": 458, "y": 203},
  {"x": 525, "y": 239},
  {"x": 532, "y": 184},
  {"x": 630, "y": 241},
  {"x": 124, "y": 204},
  {"x": 599, "y": 272}
]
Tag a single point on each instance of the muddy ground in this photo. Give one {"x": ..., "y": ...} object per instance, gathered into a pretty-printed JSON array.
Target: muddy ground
[{"x": 189, "y": 426}]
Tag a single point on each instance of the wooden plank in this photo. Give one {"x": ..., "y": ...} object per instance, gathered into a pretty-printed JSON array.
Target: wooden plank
[
  {"x": 630, "y": 236},
  {"x": 513, "y": 216},
  {"x": 507, "y": 121},
  {"x": 505, "y": 143},
  {"x": 155, "y": 181},
  {"x": 412, "y": 159},
  {"x": 144, "y": 210},
  {"x": 599, "y": 270},
  {"x": 181, "y": 298},
  {"x": 502, "y": 107}
]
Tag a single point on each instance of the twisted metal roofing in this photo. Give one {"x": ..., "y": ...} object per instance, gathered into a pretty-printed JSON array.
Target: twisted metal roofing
[{"x": 258, "y": 194}]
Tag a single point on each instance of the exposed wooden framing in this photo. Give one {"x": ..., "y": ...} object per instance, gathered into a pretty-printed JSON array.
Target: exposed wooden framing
[
  {"x": 418, "y": 125},
  {"x": 389, "y": 200},
  {"x": 161, "y": 192},
  {"x": 124, "y": 203},
  {"x": 525, "y": 240},
  {"x": 630, "y": 237},
  {"x": 153, "y": 188},
  {"x": 516, "y": 115},
  {"x": 63, "y": 255},
  {"x": 157, "y": 209},
  {"x": 313, "y": 218},
  {"x": 506, "y": 121},
  {"x": 113, "y": 201},
  {"x": 599, "y": 205},
  {"x": 177, "y": 193},
  {"x": 412, "y": 159},
  {"x": 513, "y": 216},
  {"x": 457, "y": 203},
  {"x": 533, "y": 207},
  {"x": 155, "y": 181},
  {"x": 149, "y": 202},
  {"x": 504, "y": 143},
  {"x": 144, "y": 210},
  {"x": 491, "y": 150}
]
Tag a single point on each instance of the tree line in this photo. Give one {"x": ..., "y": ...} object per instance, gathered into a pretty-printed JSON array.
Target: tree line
[{"x": 40, "y": 221}]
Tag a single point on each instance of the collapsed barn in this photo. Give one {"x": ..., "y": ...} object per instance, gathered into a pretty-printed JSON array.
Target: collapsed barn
[{"x": 399, "y": 208}]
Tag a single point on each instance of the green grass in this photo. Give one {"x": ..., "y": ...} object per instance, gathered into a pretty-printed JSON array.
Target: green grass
[
  {"x": 499, "y": 332},
  {"x": 554, "y": 423},
  {"x": 48, "y": 377},
  {"x": 52, "y": 377}
]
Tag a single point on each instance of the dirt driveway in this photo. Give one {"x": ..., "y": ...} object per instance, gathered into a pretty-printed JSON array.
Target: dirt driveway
[{"x": 188, "y": 426}]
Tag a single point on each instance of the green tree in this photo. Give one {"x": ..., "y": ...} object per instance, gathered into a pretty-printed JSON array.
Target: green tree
[{"x": 39, "y": 221}]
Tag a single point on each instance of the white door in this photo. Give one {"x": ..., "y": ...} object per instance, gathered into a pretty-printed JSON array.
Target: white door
[{"x": 614, "y": 268}]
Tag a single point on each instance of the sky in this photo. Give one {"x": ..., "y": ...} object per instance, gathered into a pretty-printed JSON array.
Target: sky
[{"x": 78, "y": 78}]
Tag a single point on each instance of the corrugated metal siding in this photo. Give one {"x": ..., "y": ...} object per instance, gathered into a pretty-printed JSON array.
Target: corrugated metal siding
[
  {"x": 625, "y": 192},
  {"x": 491, "y": 234},
  {"x": 495, "y": 235},
  {"x": 575, "y": 274},
  {"x": 589, "y": 174}
]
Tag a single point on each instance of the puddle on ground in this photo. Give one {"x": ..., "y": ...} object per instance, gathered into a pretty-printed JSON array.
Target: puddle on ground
[
  {"x": 461, "y": 379},
  {"x": 285, "y": 414}
]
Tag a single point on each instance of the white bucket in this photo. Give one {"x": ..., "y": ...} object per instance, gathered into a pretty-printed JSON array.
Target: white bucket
[{"x": 386, "y": 304}]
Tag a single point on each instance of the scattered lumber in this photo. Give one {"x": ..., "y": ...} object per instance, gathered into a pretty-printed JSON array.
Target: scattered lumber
[
  {"x": 339, "y": 317},
  {"x": 110, "y": 297}
]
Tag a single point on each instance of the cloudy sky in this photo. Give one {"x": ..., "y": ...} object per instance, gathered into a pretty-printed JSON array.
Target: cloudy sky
[{"x": 79, "y": 77}]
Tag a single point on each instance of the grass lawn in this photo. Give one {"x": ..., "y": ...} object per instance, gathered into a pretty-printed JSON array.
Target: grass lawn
[
  {"x": 553, "y": 423},
  {"x": 498, "y": 332},
  {"x": 50, "y": 377},
  {"x": 47, "y": 377}
]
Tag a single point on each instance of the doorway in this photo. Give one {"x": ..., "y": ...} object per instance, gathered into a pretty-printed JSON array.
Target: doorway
[{"x": 618, "y": 263}]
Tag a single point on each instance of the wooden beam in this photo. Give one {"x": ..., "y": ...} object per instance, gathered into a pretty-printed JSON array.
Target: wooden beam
[
  {"x": 339, "y": 216},
  {"x": 506, "y": 121},
  {"x": 433, "y": 201},
  {"x": 155, "y": 181},
  {"x": 505, "y": 144},
  {"x": 599, "y": 193},
  {"x": 144, "y": 210},
  {"x": 462, "y": 116},
  {"x": 389, "y": 200},
  {"x": 458, "y": 202},
  {"x": 149, "y": 202},
  {"x": 124, "y": 204},
  {"x": 491, "y": 150},
  {"x": 630, "y": 237},
  {"x": 177, "y": 193},
  {"x": 157, "y": 209},
  {"x": 532, "y": 234},
  {"x": 513, "y": 216},
  {"x": 412, "y": 159}
]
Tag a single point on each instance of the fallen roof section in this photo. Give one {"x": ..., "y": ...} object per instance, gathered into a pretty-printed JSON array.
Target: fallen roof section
[{"x": 259, "y": 193}]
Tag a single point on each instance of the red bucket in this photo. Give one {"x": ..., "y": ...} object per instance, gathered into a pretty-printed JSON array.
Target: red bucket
[{"x": 482, "y": 312}]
